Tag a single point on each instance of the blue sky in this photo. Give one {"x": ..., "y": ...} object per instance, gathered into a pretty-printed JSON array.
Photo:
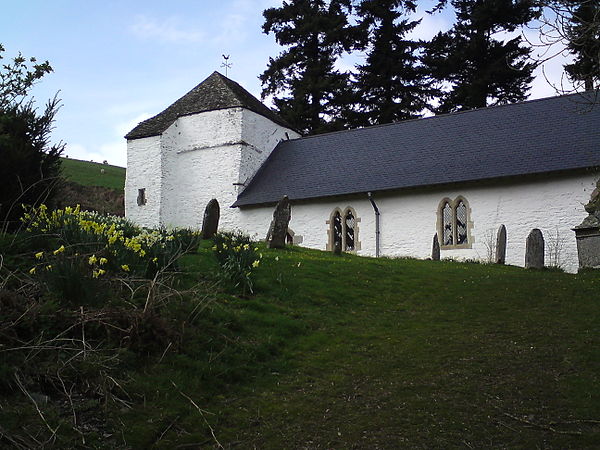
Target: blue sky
[{"x": 119, "y": 62}]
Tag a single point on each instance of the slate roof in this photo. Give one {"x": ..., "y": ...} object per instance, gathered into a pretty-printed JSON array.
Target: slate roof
[
  {"x": 215, "y": 92},
  {"x": 538, "y": 136}
]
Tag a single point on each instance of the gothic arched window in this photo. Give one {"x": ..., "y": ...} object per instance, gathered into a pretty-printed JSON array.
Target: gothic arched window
[
  {"x": 349, "y": 224},
  {"x": 454, "y": 223},
  {"x": 343, "y": 230},
  {"x": 337, "y": 230},
  {"x": 447, "y": 225}
]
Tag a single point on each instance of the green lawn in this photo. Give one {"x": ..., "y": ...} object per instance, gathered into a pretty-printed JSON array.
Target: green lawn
[
  {"x": 349, "y": 352},
  {"x": 90, "y": 174}
]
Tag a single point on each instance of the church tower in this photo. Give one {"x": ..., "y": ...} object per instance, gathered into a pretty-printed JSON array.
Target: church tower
[{"x": 208, "y": 144}]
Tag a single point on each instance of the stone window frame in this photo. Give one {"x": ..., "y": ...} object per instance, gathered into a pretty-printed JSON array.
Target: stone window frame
[
  {"x": 329, "y": 223},
  {"x": 141, "y": 197},
  {"x": 440, "y": 223}
]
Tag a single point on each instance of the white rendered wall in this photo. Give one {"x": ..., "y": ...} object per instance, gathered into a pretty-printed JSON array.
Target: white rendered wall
[
  {"x": 201, "y": 154},
  {"x": 408, "y": 219},
  {"x": 144, "y": 171},
  {"x": 262, "y": 136},
  {"x": 204, "y": 156}
]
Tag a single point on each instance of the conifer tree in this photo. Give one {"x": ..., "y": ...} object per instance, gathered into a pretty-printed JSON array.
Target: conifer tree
[
  {"x": 307, "y": 90},
  {"x": 391, "y": 85},
  {"x": 477, "y": 68},
  {"x": 583, "y": 35}
]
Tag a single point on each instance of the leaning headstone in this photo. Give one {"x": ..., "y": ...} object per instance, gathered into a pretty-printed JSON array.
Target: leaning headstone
[
  {"x": 210, "y": 222},
  {"x": 435, "y": 250},
  {"x": 501, "y": 245},
  {"x": 281, "y": 220},
  {"x": 534, "y": 250}
]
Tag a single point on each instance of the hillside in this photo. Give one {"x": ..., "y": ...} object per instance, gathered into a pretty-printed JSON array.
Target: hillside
[
  {"x": 94, "y": 186},
  {"x": 89, "y": 173}
]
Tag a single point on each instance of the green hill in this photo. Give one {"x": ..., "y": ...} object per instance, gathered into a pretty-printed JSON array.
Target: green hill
[{"x": 89, "y": 173}]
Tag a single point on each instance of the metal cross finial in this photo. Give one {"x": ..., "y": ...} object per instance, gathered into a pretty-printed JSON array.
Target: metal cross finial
[{"x": 226, "y": 63}]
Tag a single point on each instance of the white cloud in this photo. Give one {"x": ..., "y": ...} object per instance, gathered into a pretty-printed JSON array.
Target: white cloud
[{"x": 168, "y": 30}]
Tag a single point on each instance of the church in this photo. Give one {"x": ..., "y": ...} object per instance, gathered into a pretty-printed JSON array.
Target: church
[{"x": 386, "y": 190}]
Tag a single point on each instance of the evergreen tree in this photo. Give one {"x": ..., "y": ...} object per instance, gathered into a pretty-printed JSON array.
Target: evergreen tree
[
  {"x": 583, "y": 35},
  {"x": 30, "y": 164},
  {"x": 476, "y": 68},
  {"x": 391, "y": 86},
  {"x": 307, "y": 90}
]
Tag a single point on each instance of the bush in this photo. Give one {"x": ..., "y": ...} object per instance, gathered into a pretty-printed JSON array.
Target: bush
[
  {"x": 237, "y": 255},
  {"x": 30, "y": 163}
]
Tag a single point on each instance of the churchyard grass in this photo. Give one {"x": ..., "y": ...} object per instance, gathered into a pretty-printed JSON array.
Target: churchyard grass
[
  {"x": 90, "y": 173},
  {"x": 350, "y": 352}
]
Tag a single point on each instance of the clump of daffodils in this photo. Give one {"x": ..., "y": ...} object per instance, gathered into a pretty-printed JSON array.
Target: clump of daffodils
[
  {"x": 237, "y": 257},
  {"x": 105, "y": 243}
]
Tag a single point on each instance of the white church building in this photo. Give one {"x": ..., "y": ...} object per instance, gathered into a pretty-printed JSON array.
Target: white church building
[{"x": 382, "y": 190}]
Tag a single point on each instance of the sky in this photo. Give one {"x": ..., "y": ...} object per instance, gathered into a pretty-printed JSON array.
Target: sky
[{"x": 117, "y": 63}]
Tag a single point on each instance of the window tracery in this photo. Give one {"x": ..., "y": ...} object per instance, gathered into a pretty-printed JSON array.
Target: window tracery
[
  {"x": 343, "y": 230},
  {"x": 454, "y": 223}
]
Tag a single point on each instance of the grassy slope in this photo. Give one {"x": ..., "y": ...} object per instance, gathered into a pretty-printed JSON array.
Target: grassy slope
[
  {"x": 89, "y": 174},
  {"x": 349, "y": 352}
]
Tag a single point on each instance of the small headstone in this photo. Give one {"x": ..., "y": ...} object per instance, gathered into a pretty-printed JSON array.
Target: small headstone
[
  {"x": 210, "y": 222},
  {"x": 337, "y": 247},
  {"x": 435, "y": 250},
  {"x": 501, "y": 245},
  {"x": 281, "y": 220},
  {"x": 534, "y": 250}
]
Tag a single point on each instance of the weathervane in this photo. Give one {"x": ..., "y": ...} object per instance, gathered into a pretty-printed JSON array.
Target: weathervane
[{"x": 226, "y": 63}]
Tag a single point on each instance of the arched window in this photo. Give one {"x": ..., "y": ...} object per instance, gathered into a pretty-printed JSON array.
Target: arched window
[
  {"x": 337, "y": 230},
  {"x": 461, "y": 223},
  {"x": 343, "y": 230},
  {"x": 454, "y": 223},
  {"x": 447, "y": 225},
  {"x": 349, "y": 224}
]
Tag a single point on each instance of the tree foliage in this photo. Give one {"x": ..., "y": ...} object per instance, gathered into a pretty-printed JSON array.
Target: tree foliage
[
  {"x": 576, "y": 25},
  {"x": 391, "y": 85},
  {"x": 477, "y": 68},
  {"x": 309, "y": 92},
  {"x": 584, "y": 42},
  {"x": 30, "y": 163}
]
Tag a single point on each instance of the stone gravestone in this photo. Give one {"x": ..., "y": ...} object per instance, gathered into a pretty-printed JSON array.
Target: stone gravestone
[
  {"x": 587, "y": 233},
  {"x": 501, "y": 245},
  {"x": 337, "y": 247},
  {"x": 281, "y": 220},
  {"x": 534, "y": 250},
  {"x": 210, "y": 222},
  {"x": 435, "y": 250}
]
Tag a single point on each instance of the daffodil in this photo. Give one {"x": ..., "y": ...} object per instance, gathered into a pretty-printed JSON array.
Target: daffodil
[
  {"x": 32, "y": 270},
  {"x": 59, "y": 250},
  {"x": 125, "y": 267},
  {"x": 103, "y": 261},
  {"x": 39, "y": 255},
  {"x": 255, "y": 263},
  {"x": 92, "y": 260}
]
